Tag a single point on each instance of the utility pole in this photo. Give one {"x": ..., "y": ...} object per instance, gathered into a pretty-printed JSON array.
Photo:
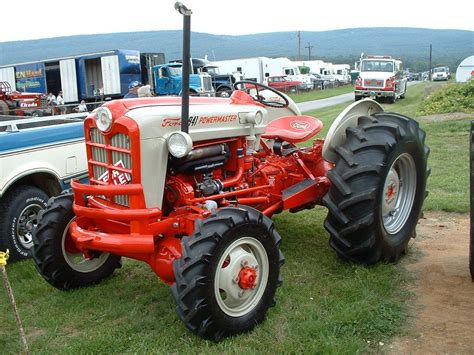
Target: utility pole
[
  {"x": 299, "y": 45},
  {"x": 431, "y": 51},
  {"x": 309, "y": 46}
]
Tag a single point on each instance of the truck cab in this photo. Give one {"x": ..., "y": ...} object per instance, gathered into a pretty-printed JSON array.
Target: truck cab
[
  {"x": 381, "y": 77},
  {"x": 293, "y": 73},
  {"x": 168, "y": 80}
]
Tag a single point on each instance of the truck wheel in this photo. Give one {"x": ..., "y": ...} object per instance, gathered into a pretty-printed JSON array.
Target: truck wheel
[
  {"x": 37, "y": 113},
  {"x": 228, "y": 274},
  {"x": 224, "y": 92},
  {"x": 56, "y": 258},
  {"x": 378, "y": 188},
  {"x": 392, "y": 99},
  {"x": 357, "y": 97},
  {"x": 4, "y": 110},
  {"x": 19, "y": 215}
]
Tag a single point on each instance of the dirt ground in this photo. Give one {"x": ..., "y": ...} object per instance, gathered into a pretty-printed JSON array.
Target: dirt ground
[{"x": 444, "y": 293}]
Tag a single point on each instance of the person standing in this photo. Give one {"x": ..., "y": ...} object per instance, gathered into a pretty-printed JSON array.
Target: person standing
[
  {"x": 132, "y": 90},
  {"x": 60, "y": 102}
]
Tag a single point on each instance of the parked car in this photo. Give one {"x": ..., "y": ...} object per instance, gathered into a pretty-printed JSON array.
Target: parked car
[
  {"x": 282, "y": 83},
  {"x": 441, "y": 73},
  {"x": 319, "y": 81}
]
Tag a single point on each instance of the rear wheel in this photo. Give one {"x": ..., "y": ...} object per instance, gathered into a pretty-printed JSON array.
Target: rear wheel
[
  {"x": 378, "y": 188},
  {"x": 228, "y": 274},
  {"x": 57, "y": 259},
  {"x": 357, "y": 97}
]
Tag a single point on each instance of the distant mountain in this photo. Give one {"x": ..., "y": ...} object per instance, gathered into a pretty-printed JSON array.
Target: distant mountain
[{"x": 339, "y": 46}]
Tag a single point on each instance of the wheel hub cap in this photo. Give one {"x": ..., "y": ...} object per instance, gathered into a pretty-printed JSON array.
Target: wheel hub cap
[
  {"x": 27, "y": 221},
  {"x": 399, "y": 193},
  {"x": 247, "y": 278},
  {"x": 241, "y": 279}
]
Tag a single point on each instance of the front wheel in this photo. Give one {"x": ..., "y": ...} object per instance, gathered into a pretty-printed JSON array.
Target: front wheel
[
  {"x": 56, "y": 258},
  {"x": 378, "y": 188},
  {"x": 228, "y": 274},
  {"x": 19, "y": 208}
]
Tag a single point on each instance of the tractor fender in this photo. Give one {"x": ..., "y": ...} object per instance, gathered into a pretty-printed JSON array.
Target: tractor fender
[{"x": 348, "y": 118}]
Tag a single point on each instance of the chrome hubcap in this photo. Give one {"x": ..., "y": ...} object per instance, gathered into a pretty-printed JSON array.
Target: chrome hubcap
[{"x": 27, "y": 220}]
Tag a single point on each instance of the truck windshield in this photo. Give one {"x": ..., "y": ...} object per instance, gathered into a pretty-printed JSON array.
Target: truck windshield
[
  {"x": 212, "y": 70},
  {"x": 377, "y": 65},
  {"x": 439, "y": 70},
  {"x": 174, "y": 71}
]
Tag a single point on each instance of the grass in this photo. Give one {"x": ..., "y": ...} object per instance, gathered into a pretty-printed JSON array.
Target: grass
[
  {"x": 321, "y": 94},
  {"x": 324, "y": 306}
]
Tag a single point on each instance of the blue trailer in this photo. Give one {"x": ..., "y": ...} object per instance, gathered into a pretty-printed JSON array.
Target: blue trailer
[{"x": 92, "y": 76}]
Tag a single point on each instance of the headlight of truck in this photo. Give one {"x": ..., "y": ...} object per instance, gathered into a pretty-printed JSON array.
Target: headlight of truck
[
  {"x": 179, "y": 144},
  {"x": 103, "y": 119}
]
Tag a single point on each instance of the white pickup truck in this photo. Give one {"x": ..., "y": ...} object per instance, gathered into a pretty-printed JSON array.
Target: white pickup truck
[
  {"x": 38, "y": 159},
  {"x": 381, "y": 77}
]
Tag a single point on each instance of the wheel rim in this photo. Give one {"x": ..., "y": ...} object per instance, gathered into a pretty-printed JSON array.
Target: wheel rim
[
  {"x": 224, "y": 93},
  {"x": 76, "y": 259},
  {"x": 398, "y": 193},
  {"x": 241, "y": 277},
  {"x": 27, "y": 221}
]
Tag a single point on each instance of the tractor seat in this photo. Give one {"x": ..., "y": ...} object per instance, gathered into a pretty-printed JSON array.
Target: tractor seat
[{"x": 293, "y": 129}]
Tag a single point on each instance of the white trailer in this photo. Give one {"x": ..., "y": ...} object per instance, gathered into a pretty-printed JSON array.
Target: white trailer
[{"x": 260, "y": 68}]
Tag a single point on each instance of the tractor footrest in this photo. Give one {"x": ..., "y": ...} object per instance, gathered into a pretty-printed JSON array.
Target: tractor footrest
[{"x": 302, "y": 193}]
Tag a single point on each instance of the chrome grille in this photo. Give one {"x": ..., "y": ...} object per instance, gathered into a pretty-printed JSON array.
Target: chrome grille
[
  {"x": 96, "y": 136},
  {"x": 116, "y": 148},
  {"x": 377, "y": 83},
  {"x": 207, "y": 83},
  {"x": 121, "y": 140}
]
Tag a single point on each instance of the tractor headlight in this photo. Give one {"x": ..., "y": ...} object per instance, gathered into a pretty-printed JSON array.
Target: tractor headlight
[
  {"x": 103, "y": 119},
  {"x": 179, "y": 144}
]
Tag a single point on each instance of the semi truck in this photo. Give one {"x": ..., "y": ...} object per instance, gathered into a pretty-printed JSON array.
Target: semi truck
[
  {"x": 90, "y": 77},
  {"x": 38, "y": 159},
  {"x": 168, "y": 80}
]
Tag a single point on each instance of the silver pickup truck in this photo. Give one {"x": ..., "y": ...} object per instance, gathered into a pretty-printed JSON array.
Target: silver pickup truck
[{"x": 38, "y": 159}]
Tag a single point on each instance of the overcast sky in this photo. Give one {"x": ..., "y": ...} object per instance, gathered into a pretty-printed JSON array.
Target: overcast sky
[{"x": 32, "y": 19}]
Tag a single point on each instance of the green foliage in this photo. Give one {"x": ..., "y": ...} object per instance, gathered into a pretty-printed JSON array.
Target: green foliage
[
  {"x": 304, "y": 70},
  {"x": 457, "y": 97}
]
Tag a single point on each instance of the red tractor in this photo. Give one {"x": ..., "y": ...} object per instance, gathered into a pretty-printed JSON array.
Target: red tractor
[
  {"x": 20, "y": 103},
  {"x": 193, "y": 197}
]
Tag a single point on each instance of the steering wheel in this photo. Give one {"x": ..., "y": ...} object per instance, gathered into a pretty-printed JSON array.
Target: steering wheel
[{"x": 260, "y": 98}]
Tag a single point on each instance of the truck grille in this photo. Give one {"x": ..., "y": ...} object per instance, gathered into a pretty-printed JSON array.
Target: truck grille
[
  {"x": 111, "y": 161},
  {"x": 207, "y": 83},
  {"x": 376, "y": 83}
]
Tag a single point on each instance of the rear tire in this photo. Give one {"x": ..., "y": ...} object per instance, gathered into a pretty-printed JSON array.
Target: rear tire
[
  {"x": 357, "y": 97},
  {"x": 19, "y": 208},
  {"x": 54, "y": 253},
  {"x": 378, "y": 188},
  {"x": 228, "y": 274}
]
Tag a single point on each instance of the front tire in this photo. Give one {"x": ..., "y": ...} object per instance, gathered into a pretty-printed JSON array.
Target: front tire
[
  {"x": 228, "y": 274},
  {"x": 378, "y": 188},
  {"x": 55, "y": 255},
  {"x": 19, "y": 215}
]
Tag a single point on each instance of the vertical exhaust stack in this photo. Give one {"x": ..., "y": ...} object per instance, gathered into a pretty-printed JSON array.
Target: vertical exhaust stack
[{"x": 183, "y": 10}]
